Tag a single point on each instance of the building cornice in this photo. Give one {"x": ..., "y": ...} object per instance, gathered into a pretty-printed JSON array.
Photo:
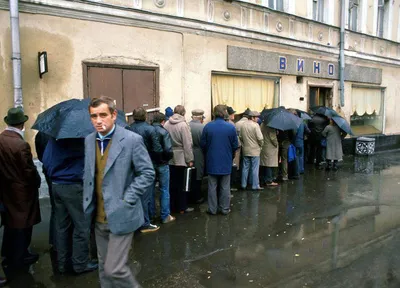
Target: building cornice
[{"x": 100, "y": 12}]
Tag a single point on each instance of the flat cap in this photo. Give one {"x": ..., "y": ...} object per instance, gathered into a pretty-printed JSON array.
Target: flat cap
[
  {"x": 197, "y": 112},
  {"x": 254, "y": 114}
]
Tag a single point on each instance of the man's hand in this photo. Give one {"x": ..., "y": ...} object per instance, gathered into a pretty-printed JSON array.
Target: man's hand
[{"x": 190, "y": 164}]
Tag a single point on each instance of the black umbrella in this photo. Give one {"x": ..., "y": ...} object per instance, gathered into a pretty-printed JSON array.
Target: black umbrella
[
  {"x": 342, "y": 124},
  {"x": 69, "y": 119},
  {"x": 282, "y": 119},
  {"x": 303, "y": 114},
  {"x": 326, "y": 111}
]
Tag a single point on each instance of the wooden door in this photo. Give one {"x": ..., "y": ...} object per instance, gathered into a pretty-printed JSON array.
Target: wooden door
[
  {"x": 105, "y": 82},
  {"x": 131, "y": 88}
]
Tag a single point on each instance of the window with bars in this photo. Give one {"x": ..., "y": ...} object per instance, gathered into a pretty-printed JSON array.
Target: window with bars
[
  {"x": 318, "y": 10},
  {"x": 353, "y": 14}
]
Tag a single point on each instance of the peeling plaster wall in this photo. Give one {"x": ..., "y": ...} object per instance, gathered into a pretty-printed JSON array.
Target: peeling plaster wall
[
  {"x": 68, "y": 43},
  {"x": 186, "y": 64}
]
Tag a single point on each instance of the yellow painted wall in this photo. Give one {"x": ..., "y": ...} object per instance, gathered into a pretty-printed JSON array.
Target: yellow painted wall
[
  {"x": 69, "y": 42},
  {"x": 186, "y": 63}
]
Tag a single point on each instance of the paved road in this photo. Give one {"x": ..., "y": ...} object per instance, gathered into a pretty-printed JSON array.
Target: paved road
[{"x": 328, "y": 229}]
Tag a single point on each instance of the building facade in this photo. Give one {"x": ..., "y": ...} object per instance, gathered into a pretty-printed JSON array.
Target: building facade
[{"x": 247, "y": 54}]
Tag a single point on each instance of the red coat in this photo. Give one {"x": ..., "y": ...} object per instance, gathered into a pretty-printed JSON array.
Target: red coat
[{"x": 19, "y": 182}]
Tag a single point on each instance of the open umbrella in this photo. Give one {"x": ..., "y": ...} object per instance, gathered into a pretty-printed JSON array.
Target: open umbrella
[
  {"x": 303, "y": 114},
  {"x": 282, "y": 119},
  {"x": 69, "y": 119},
  {"x": 326, "y": 111},
  {"x": 342, "y": 124}
]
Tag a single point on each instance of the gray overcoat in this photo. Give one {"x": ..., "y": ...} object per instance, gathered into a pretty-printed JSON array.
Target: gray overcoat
[
  {"x": 196, "y": 128},
  {"x": 128, "y": 174},
  {"x": 333, "y": 136}
]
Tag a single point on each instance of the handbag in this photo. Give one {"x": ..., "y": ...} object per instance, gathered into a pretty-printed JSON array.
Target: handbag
[
  {"x": 187, "y": 178},
  {"x": 291, "y": 153}
]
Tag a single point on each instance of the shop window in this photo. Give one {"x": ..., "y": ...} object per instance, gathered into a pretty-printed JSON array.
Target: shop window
[
  {"x": 353, "y": 14},
  {"x": 368, "y": 111},
  {"x": 242, "y": 92}
]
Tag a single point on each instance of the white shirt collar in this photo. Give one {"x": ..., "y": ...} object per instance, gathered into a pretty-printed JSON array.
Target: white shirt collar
[{"x": 20, "y": 132}]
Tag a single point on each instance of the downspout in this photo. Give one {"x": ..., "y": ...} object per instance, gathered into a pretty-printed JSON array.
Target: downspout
[
  {"x": 341, "y": 60},
  {"x": 16, "y": 53}
]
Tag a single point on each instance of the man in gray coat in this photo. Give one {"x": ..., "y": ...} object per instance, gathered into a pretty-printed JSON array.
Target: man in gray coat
[
  {"x": 196, "y": 128},
  {"x": 117, "y": 172}
]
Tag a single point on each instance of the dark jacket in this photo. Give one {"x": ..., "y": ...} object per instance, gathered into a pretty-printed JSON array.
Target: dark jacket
[
  {"x": 219, "y": 142},
  {"x": 150, "y": 138},
  {"x": 299, "y": 139},
  {"x": 41, "y": 141},
  {"x": 20, "y": 182},
  {"x": 64, "y": 160},
  {"x": 285, "y": 137},
  {"x": 165, "y": 142},
  {"x": 317, "y": 125}
]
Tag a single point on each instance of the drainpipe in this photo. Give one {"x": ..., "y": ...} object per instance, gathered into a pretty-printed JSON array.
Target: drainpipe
[
  {"x": 16, "y": 53},
  {"x": 341, "y": 60}
]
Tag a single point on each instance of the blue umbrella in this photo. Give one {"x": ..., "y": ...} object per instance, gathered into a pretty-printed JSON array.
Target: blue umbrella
[
  {"x": 303, "y": 115},
  {"x": 326, "y": 111},
  {"x": 282, "y": 119},
  {"x": 69, "y": 119},
  {"x": 342, "y": 124}
]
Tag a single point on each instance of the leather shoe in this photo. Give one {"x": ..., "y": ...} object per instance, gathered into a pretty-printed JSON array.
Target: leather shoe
[
  {"x": 91, "y": 266},
  {"x": 31, "y": 258}
]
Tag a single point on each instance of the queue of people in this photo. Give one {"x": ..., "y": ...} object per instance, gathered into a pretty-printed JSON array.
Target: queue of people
[{"x": 103, "y": 188}]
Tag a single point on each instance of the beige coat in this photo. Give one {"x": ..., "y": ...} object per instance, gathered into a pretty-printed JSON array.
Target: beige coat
[
  {"x": 251, "y": 138},
  {"x": 270, "y": 148},
  {"x": 181, "y": 138},
  {"x": 239, "y": 124}
]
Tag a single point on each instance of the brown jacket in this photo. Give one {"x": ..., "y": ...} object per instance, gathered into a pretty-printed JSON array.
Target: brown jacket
[
  {"x": 181, "y": 137},
  {"x": 20, "y": 182}
]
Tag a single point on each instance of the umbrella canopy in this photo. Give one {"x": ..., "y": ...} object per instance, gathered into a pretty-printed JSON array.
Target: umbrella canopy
[
  {"x": 342, "y": 124},
  {"x": 282, "y": 119},
  {"x": 303, "y": 114},
  {"x": 69, "y": 119},
  {"x": 326, "y": 111}
]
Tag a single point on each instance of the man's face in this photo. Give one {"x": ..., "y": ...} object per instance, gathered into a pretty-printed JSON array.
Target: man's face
[
  {"x": 232, "y": 117},
  {"x": 255, "y": 119},
  {"x": 102, "y": 120}
]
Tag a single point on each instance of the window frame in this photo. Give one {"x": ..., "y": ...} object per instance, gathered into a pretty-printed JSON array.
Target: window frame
[
  {"x": 383, "y": 106},
  {"x": 354, "y": 15},
  {"x": 318, "y": 10},
  {"x": 383, "y": 13}
]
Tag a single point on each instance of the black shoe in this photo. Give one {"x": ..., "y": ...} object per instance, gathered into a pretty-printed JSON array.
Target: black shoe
[
  {"x": 91, "y": 266},
  {"x": 200, "y": 201},
  {"x": 210, "y": 213},
  {"x": 225, "y": 212},
  {"x": 31, "y": 258}
]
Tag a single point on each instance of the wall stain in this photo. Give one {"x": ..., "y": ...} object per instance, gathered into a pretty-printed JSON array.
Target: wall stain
[{"x": 39, "y": 94}]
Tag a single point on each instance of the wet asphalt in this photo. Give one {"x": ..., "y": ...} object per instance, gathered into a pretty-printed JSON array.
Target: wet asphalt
[{"x": 328, "y": 229}]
